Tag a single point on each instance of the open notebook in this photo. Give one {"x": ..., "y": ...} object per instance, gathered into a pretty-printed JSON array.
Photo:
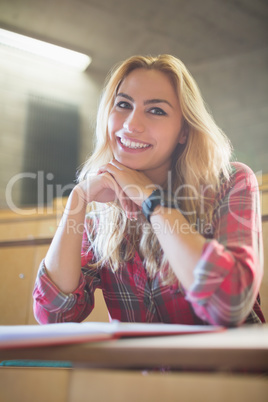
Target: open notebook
[{"x": 16, "y": 336}]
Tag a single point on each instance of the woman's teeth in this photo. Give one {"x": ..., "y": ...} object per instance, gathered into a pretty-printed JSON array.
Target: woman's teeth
[{"x": 132, "y": 144}]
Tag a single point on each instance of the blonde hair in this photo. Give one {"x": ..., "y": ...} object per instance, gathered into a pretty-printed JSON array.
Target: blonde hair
[{"x": 197, "y": 168}]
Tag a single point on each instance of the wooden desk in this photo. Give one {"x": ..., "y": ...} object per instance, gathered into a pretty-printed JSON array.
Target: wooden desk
[
  {"x": 83, "y": 385},
  {"x": 132, "y": 370},
  {"x": 244, "y": 348}
]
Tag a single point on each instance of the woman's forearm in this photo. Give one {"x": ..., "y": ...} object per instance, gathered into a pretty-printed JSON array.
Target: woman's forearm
[
  {"x": 181, "y": 243},
  {"x": 63, "y": 259}
]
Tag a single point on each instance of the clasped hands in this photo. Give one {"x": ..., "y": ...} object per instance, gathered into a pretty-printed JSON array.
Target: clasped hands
[{"x": 114, "y": 181}]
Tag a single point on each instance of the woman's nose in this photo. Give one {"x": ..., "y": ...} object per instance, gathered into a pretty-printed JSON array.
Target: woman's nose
[{"x": 134, "y": 123}]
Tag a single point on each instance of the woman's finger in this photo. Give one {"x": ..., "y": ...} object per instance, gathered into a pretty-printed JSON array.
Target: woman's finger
[
  {"x": 130, "y": 208},
  {"x": 135, "y": 184}
]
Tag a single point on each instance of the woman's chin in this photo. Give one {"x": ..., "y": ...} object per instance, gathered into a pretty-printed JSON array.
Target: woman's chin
[{"x": 134, "y": 165}]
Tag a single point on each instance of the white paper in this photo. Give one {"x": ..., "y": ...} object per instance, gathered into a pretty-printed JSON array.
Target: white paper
[{"x": 32, "y": 335}]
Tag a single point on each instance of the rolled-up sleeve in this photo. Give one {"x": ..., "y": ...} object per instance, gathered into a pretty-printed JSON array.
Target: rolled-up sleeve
[
  {"x": 51, "y": 305},
  {"x": 229, "y": 273}
]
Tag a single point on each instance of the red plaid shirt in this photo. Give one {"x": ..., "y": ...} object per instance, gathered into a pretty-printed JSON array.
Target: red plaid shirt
[{"x": 227, "y": 277}]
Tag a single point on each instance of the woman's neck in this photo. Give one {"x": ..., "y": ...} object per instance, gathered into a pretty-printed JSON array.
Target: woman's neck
[{"x": 159, "y": 177}]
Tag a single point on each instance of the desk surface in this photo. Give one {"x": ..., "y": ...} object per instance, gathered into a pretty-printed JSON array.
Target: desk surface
[{"x": 234, "y": 349}]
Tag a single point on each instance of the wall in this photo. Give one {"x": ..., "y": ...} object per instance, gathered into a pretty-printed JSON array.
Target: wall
[
  {"x": 236, "y": 91},
  {"x": 21, "y": 76}
]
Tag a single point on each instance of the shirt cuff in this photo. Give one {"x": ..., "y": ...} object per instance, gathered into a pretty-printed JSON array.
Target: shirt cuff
[
  {"x": 51, "y": 297},
  {"x": 213, "y": 267}
]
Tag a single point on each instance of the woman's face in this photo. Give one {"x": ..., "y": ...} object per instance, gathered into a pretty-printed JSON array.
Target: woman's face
[{"x": 145, "y": 122}]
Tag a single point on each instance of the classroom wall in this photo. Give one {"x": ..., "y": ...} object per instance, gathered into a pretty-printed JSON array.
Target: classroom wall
[
  {"x": 236, "y": 90},
  {"x": 21, "y": 77}
]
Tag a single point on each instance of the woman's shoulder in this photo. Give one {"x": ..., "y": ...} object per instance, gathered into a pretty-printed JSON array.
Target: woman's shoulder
[
  {"x": 241, "y": 167},
  {"x": 241, "y": 178},
  {"x": 242, "y": 173}
]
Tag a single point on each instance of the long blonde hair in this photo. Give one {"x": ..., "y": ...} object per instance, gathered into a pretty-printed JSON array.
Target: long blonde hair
[{"x": 197, "y": 168}]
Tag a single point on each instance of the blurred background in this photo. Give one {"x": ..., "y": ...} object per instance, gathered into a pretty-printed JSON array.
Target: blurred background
[{"x": 47, "y": 112}]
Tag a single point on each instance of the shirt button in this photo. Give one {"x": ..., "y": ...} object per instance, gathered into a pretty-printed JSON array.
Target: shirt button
[{"x": 147, "y": 301}]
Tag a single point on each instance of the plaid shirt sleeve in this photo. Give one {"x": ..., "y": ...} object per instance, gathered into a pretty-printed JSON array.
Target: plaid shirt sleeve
[
  {"x": 229, "y": 273},
  {"x": 51, "y": 305}
]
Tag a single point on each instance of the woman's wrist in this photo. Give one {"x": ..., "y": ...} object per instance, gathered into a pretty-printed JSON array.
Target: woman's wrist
[
  {"x": 76, "y": 203},
  {"x": 80, "y": 196},
  {"x": 156, "y": 202}
]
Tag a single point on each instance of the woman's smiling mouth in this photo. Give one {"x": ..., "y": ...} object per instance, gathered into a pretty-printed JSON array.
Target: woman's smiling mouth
[{"x": 132, "y": 144}]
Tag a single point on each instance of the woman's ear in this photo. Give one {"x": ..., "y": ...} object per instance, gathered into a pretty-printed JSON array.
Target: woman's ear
[{"x": 183, "y": 135}]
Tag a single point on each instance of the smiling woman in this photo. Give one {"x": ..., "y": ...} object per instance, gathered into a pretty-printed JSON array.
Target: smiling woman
[
  {"x": 145, "y": 123},
  {"x": 171, "y": 228}
]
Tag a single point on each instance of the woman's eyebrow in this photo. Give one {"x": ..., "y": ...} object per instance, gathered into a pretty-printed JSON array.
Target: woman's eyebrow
[
  {"x": 147, "y": 102},
  {"x": 153, "y": 101},
  {"x": 125, "y": 96}
]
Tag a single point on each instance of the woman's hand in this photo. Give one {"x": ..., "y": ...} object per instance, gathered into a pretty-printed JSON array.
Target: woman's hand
[
  {"x": 99, "y": 188},
  {"x": 104, "y": 188},
  {"x": 135, "y": 185}
]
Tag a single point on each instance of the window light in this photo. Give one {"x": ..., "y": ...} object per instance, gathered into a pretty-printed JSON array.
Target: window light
[{"x": 55, "y": 53}]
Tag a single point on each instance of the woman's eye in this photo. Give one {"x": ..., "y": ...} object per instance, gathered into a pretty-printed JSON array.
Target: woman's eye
[
  {"x": 123, "y": 105},
  {"x": 158, "y": 111}
]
